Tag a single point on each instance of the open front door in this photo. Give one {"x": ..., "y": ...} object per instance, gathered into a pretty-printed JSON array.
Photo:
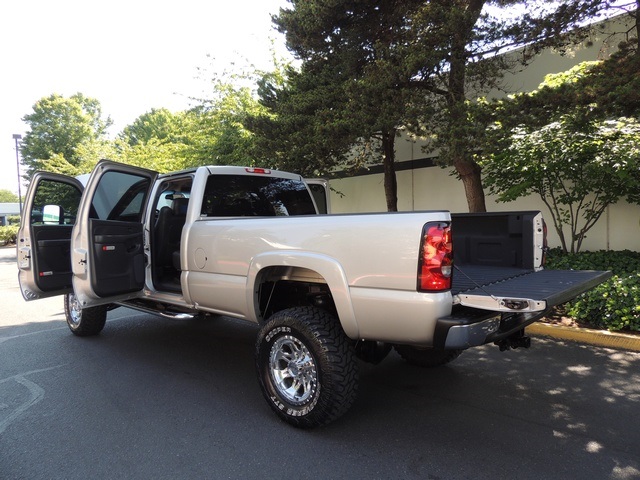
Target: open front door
[
  {"x": 108, "y": 249},
  {"x": 44, "y": 238}
]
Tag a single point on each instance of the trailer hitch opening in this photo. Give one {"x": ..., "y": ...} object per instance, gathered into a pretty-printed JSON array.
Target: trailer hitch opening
[{"x": 513, "y": 341}]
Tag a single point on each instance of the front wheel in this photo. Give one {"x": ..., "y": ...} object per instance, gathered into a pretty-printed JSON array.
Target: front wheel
[
  {"x": 83, "y": 322},
  {"x": 306, "y": 367}
]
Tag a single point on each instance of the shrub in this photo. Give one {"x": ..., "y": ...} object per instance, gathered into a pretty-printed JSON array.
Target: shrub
[
  {"x": 8, "y": 234},
  {"x": 13, "y": 219},
  {"x": 615, "y": 304},
  {"x": 619, "y": 262}
]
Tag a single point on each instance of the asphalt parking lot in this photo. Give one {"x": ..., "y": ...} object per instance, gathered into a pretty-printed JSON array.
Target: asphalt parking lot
[{"x": 152, "y": 398}]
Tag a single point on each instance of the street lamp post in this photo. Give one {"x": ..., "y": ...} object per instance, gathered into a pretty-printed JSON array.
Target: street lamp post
[{"x": 16, "y": 137}]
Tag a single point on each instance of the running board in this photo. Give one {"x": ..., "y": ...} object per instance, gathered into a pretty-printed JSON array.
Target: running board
[{"x": 162, "y": 313}]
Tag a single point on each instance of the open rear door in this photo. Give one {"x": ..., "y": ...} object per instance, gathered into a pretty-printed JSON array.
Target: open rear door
[
  {"x": 108, "y": 242},
  {"x": 44, "y": 238}
]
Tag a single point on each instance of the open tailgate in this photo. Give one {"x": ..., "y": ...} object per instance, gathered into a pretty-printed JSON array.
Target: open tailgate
[{"x": 521, "y": 290}]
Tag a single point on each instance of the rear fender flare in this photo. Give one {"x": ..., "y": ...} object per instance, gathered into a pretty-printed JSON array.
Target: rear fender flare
[{"x": 329, "y": 268}]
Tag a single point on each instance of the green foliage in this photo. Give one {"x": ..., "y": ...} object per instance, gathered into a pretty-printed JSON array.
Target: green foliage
[
  {"x": 158, "y": 140},
  {"x": 596, "y": 90},
  {"x": 300, "y": 129},
  {"x": 219, "y": 131},
  {"x": 577, "y": 168},
  {"x": 154, "y": 154},
  {"x": 211, "y": 133},
  {"x": 613, "y": 305},
  {"x": 67, "y": 135},
  {"x": 59, "y": 127},
  {"x": 157, "y": 124},
  {"x": 610, "y": 88},
  {"x": 8, "y": 234},
  {"x": 619, "y": 262},
  {"x": 573, "y": 141},
  {"x": 7, "y": 196}
]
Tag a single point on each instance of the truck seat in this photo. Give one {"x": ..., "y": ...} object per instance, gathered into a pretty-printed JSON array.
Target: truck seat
[{"x": 169, "y": 230}]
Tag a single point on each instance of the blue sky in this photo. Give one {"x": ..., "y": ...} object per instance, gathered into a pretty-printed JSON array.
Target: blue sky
[{"x": 132, "y": 55}]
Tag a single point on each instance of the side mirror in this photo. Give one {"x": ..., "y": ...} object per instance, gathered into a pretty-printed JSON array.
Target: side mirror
[{"x": 52, "y": 214}]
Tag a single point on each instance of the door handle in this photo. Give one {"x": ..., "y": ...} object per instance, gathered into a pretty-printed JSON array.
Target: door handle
[{"x": 115, "y": 238}]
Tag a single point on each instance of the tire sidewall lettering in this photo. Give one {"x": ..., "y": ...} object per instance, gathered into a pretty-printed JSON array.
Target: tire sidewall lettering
[{"x": 276, "y": 331}]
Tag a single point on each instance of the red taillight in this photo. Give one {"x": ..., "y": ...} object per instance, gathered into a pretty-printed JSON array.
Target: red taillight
[
  {"x": 435, "y": 265},
  {"x": 263, "y": 171}
]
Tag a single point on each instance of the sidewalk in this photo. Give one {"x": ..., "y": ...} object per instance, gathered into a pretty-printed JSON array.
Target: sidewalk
[{"x": 599, "y": 338}]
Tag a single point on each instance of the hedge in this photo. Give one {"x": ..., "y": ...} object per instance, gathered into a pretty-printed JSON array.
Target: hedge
[
  {"x": 613, "y": 305},
  {"x": 8, "y": 234}
]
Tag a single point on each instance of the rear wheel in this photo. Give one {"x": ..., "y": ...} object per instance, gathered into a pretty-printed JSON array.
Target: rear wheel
[
  {"x": 306, "y": 367},
  {"x": 84, "y": 322},
  {"x": 426, "y": 357}
]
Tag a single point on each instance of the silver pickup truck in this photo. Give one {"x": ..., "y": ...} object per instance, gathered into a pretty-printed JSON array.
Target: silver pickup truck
[{"x": 325, "y": 289}]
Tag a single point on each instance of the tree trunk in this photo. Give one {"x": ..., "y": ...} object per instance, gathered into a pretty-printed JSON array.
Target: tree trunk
[
  {"x": 388, "y": 161},
  {"x": 469, "y": 172}
]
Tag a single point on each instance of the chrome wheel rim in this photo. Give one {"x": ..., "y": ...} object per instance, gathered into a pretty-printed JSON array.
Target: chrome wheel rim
[
  {"x": 293, "y": 370},
  {"x": 75, "y": 311}
]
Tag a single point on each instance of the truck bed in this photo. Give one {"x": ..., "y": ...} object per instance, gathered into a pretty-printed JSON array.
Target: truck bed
[
  {"x": 471, "y": 277},
  {"x": 498, "y": 261}
]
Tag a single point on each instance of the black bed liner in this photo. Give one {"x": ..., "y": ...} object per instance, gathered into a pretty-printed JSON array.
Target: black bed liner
[{"x": 553, "y": 287}]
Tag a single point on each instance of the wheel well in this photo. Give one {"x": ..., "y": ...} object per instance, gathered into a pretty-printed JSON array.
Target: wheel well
[{"x": 281, "y": 287}]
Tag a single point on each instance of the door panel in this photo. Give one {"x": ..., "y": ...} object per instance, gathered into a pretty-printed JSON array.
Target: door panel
[
  {"x": 117, "y": 252},
  {"x": 52, "y": 257},
  {"x": 108, "y": 249},
  {"x": 44, "y": 238}
]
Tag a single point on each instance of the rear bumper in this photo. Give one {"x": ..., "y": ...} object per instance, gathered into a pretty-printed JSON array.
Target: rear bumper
[{"x": 467, "y": 327}]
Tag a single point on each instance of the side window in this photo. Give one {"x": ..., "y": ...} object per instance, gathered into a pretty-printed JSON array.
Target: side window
[
  {"x": 55, "y": 203},
  {"x": 248, "y": 195},
  {"x": 120, "y": 196},
  {"x": 174, "y": 194},
  {"x": 320, "y": 196}
]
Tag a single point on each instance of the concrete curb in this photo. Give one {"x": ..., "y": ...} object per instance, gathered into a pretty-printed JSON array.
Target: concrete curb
[{"x": 599, "y": 338}]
